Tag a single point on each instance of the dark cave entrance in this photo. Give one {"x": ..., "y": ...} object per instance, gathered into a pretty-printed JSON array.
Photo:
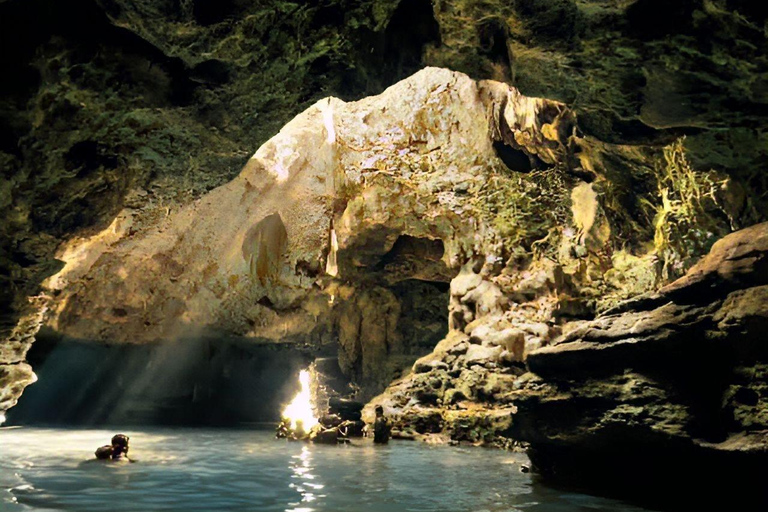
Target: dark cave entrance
[
  {"x": 204, "y": 381},
  {"x": 400, "y": 313},
  {"x": 397, "y": 310}
]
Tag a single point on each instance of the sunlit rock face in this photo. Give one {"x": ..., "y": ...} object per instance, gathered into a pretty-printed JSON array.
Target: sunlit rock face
[
  {"x": 411, "y": 185},
  {"x": 371, "y": 228},
  {"x": 668, "y": 383},
  {"x": 446, "y": 218}
]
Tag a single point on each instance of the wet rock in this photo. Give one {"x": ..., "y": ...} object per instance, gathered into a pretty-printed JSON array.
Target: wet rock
[{"x": 331, "y": 420}]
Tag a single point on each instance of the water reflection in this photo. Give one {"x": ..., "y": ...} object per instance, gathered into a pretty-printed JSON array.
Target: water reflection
[{"x": 304, "y": 481}]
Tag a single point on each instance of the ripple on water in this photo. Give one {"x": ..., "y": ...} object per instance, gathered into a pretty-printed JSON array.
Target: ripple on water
[{"x": 235, "y": 470}]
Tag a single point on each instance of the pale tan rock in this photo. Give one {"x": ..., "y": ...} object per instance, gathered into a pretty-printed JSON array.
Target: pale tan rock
[
  {"x": 481, "y": 354},
  {"x": 13, "y": 379},
  {"x": 368, "y": 171},
  {"x": 302, "y": 246}
]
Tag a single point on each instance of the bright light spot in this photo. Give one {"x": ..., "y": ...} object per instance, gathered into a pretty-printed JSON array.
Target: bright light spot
[
  {"x": 2, "y": 418},
  {"x": 300, "y": 408},
  {"x": 281, "y": 171}
]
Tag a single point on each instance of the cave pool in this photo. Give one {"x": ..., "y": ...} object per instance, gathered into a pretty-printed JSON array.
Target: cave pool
[{"x": 185, "y": 469}]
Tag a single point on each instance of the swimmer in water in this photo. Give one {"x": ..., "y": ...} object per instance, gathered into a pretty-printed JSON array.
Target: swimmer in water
[
  {"x": 117, "y": 451},
  {"x": 120, "y": 447}
]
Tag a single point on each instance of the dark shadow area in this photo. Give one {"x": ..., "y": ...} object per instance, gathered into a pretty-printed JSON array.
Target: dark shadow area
[
  {"x": 386, "y": 57},
  {"x": 654, "y": 19},
  {"x": 515, "y": 160},
  {"x": 412, "y": 255},
  {"x": 493, "y": 35},
  {"x": 187, "y": 382},
  {"x": 423, "y": 314},
  {"x": 25, "y": 25},
  {"x": 659, "y": 474},
  {"x": 412, "y": 27}
]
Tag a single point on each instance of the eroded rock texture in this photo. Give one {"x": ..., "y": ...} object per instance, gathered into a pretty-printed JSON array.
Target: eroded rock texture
[
  {"x": 344, "y": 231},
  {"x": 672, "y": 384},
  {"x": 466, "y": 223},
  {"x": 149, "y": 104},
  {"x": 667, "y": 384}
]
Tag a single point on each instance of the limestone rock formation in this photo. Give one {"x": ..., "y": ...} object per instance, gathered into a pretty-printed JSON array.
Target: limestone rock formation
[
  {"x": 667, "y": 384},
  {"x": 148, "y": 105},
  {"x": 472, "y": 231},
  {"x": 343, "y": 230},
  {"x": 343, "y": 233}
]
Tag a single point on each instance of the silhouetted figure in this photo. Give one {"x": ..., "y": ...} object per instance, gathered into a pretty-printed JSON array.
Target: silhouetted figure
[
  {"x": 118, "y": 450},
  {"x": 283, "y": 429},
  {"x": 104, "y": 452},
  {"x": 381, "y": 427},
  {"x": 120, "y": 446},
  {"x": 299, "y": 433}
]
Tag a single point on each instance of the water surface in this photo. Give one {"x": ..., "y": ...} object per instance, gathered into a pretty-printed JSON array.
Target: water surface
[{"x": 238, "y": 470}]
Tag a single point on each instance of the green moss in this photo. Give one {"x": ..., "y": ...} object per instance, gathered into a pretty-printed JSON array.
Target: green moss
[
  {"x": 523, "y": 208},
  {"x": 688, "y": 218}
]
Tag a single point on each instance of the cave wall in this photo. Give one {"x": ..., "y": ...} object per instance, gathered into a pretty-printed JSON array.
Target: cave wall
[
  {"x": 479, "y": 227},
  {"x": 356, "y": 210},
  {"x": 147, "y": 105},
  {"x": 487, "y": 235}
]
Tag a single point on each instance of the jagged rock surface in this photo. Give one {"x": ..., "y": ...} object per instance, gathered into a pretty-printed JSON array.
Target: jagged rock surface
[
  {"x": 674, "y": 383},
  {"x": 671, "y": 383},
  {"x": 142, "y": 107},
  {"x": 342, "y": 231},
  {"x": 150, "y": 104}
]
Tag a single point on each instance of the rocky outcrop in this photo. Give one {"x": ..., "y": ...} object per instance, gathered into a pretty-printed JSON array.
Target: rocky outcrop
[
  {"x": 670, "y": 384},
  {"x": 466, "y": 219},
  {"x": 15, "y": 372},
  {"x": 148, "y": 105},
  {"x": 343, "y": 230},
  {"x": 667, "y": 384}
]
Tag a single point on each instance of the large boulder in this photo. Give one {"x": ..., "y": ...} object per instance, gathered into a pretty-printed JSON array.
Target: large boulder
[{"x": 671, "y": 384}]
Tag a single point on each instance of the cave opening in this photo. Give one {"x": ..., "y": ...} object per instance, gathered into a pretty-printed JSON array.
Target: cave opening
[
  {"x": 412, "y": 27},
  {"x": 398, "y": 51},
  {"x": 201, "y": 381}
]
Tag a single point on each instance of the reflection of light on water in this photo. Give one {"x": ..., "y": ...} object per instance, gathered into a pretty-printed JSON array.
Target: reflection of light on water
[
  {"x": 2, "y": 418},
  {"x": 300, "y": 408},
  {"x": 301, "y": 465}
]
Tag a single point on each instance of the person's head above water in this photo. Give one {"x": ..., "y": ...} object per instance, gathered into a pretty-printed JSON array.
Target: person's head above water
[
  {"x": 104, "y": 452},
  {"x": 120, "y": 444}
]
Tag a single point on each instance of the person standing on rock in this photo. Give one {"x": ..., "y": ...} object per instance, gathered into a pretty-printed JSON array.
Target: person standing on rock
[{"x": 381, "y": 427}]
